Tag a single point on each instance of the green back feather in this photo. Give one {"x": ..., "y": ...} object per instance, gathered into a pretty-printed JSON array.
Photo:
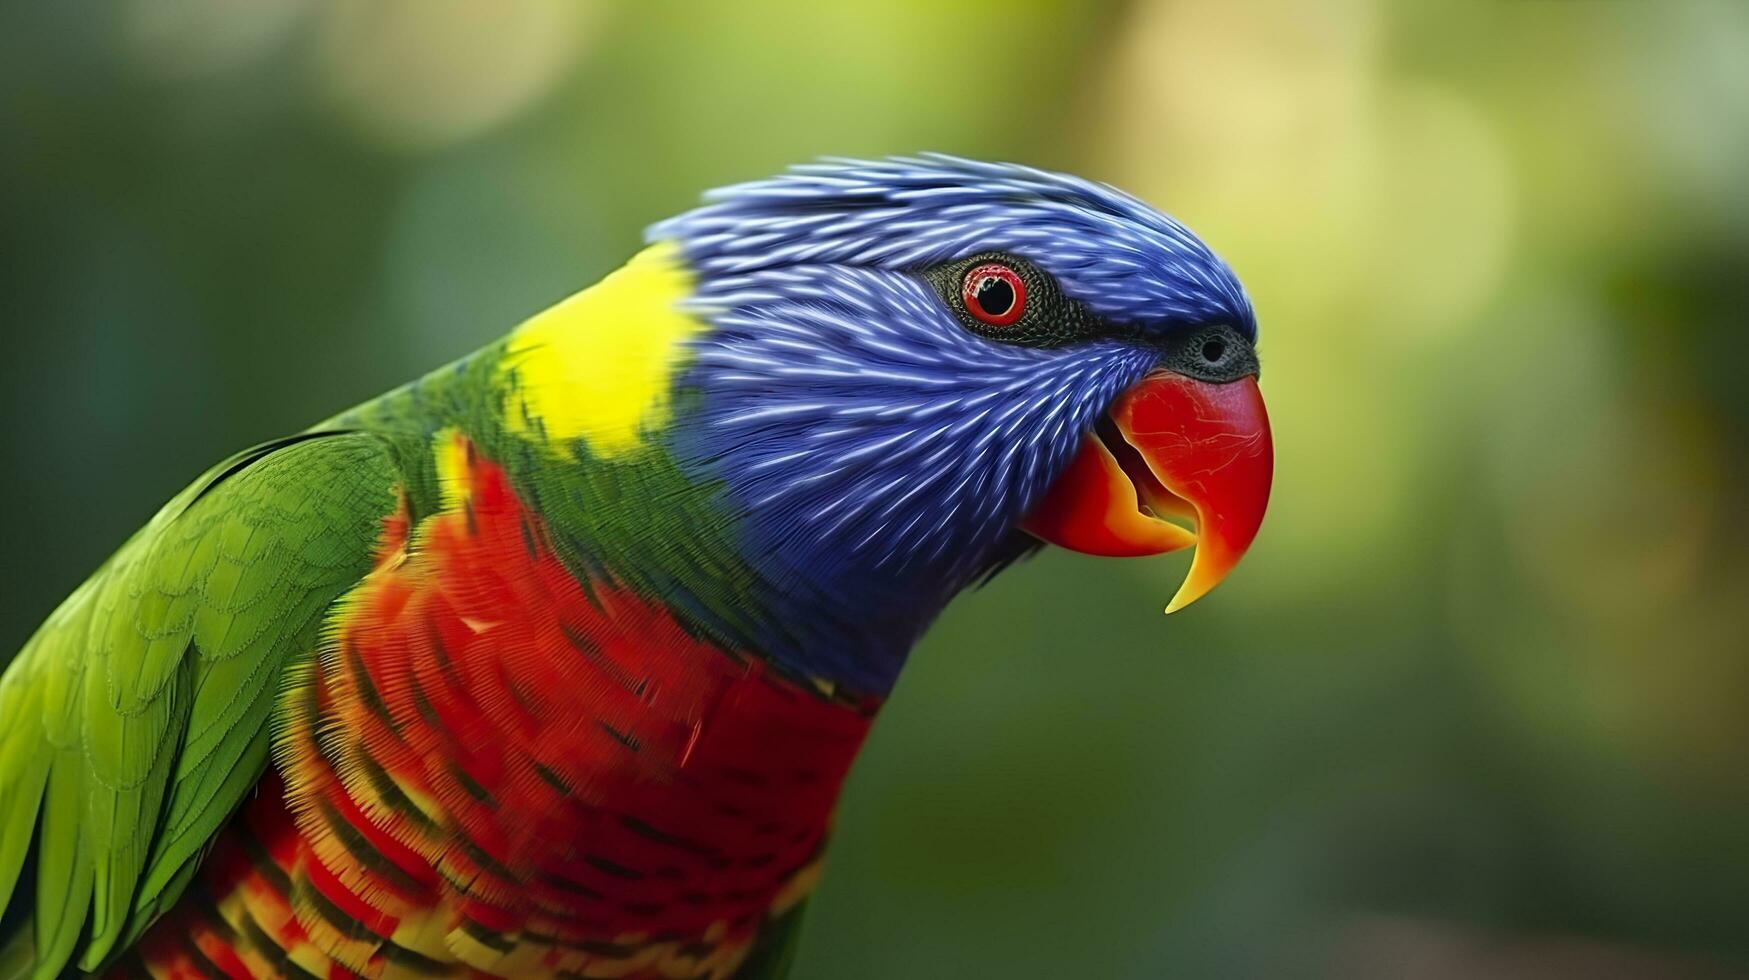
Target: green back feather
[{"x": 135, "y": 720}]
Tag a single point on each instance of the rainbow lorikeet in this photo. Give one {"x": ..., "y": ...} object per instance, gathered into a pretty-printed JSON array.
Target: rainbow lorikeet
[{"x": 551, "y": 663}]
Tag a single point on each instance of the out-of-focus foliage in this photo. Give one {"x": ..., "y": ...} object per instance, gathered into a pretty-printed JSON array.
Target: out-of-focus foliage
[{"x": 1476, "y": 705}]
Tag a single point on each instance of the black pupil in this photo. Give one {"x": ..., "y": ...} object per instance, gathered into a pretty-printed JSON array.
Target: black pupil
[
  {"x": 1213, "y": 349},
  {"x": 995, "y": 295}
]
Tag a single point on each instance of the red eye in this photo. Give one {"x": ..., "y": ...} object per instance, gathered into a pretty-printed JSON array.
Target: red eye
[{"x": 994, "y": 293}]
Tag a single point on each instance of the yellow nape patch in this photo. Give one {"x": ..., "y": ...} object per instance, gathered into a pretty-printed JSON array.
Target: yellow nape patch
[{"x": 599, "y": 365}]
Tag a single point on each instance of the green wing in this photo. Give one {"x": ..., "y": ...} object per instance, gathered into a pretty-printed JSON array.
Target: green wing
[
  {"x": 774, "y": 951},
  {"x": 135, "y": 720}
]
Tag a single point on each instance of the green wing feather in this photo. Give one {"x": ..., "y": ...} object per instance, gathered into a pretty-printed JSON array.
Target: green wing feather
[
  {"x": 136, "y": 719},
  {"x": 774, "y": 951}
]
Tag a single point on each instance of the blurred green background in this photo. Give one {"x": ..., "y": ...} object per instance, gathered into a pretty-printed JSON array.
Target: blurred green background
[{"x": 1477, "y": 705}]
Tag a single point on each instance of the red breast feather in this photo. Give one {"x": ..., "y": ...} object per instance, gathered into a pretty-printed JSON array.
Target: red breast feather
[{"x": 492, "y": 765}]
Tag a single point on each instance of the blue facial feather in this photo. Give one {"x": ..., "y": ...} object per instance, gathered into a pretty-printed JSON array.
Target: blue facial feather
[{"x": 880, "y": 453}]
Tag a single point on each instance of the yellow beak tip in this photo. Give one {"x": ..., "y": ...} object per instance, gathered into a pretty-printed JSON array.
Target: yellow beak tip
[{"x": 1200, "y": 582}]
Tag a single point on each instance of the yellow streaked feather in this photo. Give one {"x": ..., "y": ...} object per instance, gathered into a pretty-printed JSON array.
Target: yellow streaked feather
[{"x": 449, "y": 450}]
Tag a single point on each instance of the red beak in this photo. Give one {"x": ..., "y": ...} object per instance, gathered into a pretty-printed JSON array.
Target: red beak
[{"x": 1175, "y": 447}]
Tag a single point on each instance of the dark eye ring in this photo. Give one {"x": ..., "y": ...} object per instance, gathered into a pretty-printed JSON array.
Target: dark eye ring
[{"x": 994, "y": 294}]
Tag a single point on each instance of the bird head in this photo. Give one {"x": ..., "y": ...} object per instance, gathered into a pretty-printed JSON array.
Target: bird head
[{"x": 918, "y": 369}]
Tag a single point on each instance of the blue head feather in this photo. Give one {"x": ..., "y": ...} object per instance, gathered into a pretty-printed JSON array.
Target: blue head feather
[{"x": 881, "y": 455}]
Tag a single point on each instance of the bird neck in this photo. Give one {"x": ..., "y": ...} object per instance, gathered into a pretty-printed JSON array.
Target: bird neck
[{"x": 603, "y": 438}]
